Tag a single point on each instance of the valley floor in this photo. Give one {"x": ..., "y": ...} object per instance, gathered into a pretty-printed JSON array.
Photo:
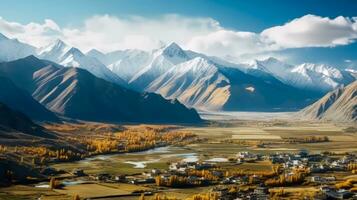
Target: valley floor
[{"x": 219, "y": 143}]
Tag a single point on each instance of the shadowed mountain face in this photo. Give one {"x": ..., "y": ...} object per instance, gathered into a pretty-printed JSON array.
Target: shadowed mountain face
[
  {"x": 338, "y": 105},
  {"x": 76, "y": 93},
  {"x": 13, "y": 121},
  {"x": 249, "y": 93},
  {"x": 204, "y": 84},
  {"x": 20, "y": 100}
]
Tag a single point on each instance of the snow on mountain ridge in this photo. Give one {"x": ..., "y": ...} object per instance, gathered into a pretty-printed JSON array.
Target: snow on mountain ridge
[
  {"x": 319, "y": 68},
  {"x": 161, "y": 61},
  {"x": 67, "y": 56},
  {"x": 140, "y": 68},
  {"x": 12, "y": 49},
  {"x": 317, "y": 77},
  {"x": 196, "y": 83}
]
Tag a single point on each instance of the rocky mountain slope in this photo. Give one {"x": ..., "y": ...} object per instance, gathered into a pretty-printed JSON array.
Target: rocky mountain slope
[
  {"x": 76, "y": 93},
  {"x": 206, "y": 85},
  {"x": 338, "y": 105},
  {"x": 199, "y": 81}
]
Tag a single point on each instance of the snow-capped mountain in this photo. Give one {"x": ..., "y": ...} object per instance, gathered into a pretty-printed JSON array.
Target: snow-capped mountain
[
  {"x": 12, "y": 49},
  {"x": 141, "y": 68},
  {"x": 196, "y": 83},
  {"x": 206, "y": 85},
  {"x": 67, "y": 56},
  {"x": 161, "y": 61},
  {"x": 205, "y": 82},
  {"x": 124, "y": 63},
  {"x": 54, "y": 51},
  {"x": 309, "y": 76},
  {"x": 312, "y": 76},
  {"x": 197, "y": 80}
]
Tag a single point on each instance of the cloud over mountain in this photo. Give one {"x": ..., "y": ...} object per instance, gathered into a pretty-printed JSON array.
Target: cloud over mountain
[
  {"x": 202, "y": 34},
  {"x": 313, "y": 31}
]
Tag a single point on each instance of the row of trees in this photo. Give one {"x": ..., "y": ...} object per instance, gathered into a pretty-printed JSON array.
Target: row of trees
[
  {"x": 275, "y": 170},
  {"x": 206, "y": 196},
  {"x": 157, "y": 197},
  {"x": 131, "y": 140},
  {"x": 286, "y": 180},
  {"x": 177, "y": 181},
  {"x": 308, "y": 139}
]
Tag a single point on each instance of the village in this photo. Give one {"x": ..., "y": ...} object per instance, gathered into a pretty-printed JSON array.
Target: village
[{"x": 323, "y": 172}]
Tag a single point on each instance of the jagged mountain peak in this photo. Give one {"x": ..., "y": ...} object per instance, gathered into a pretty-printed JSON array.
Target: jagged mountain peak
[
  {"x": 58, "y": 44},
  {"x": 173, "y": 45},
  {"x": 173, "y": 50},
  {"x": 54, "y": 51},
  {"x": 68, "y": 56},
  {"x": 323, "y": 69},
  {"x": 75, "y": 52}
]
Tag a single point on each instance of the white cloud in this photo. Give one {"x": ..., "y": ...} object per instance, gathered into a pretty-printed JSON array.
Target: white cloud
[
  {"x": 225, "y": 42},
  {"x": 313, "y": 31},
  {"x": 206, "y": 35},
  {"x": 109, "y": 33},
  {"x": 32, "y": 33}
]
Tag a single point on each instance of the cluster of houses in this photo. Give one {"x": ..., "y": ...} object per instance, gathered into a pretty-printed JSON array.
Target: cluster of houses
[
  {"x": 331, "y": 193},
  {"x": 245, "y": 156},
  {"x": 224, "y": 192},
  {"x": 318, "y": 164},
  {"x": 183, "y": 166}
]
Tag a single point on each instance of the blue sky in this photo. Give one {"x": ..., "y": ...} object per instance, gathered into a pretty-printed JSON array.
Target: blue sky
[{"x": 239, "y": 16}]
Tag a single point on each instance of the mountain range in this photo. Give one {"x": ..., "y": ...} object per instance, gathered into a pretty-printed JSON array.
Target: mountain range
[
  {"x": 180, "y": 76},
  {"x": 315, "y": 77},
  {"x": 210, "y": 83},
  {"x": 76, "y": 93}
]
